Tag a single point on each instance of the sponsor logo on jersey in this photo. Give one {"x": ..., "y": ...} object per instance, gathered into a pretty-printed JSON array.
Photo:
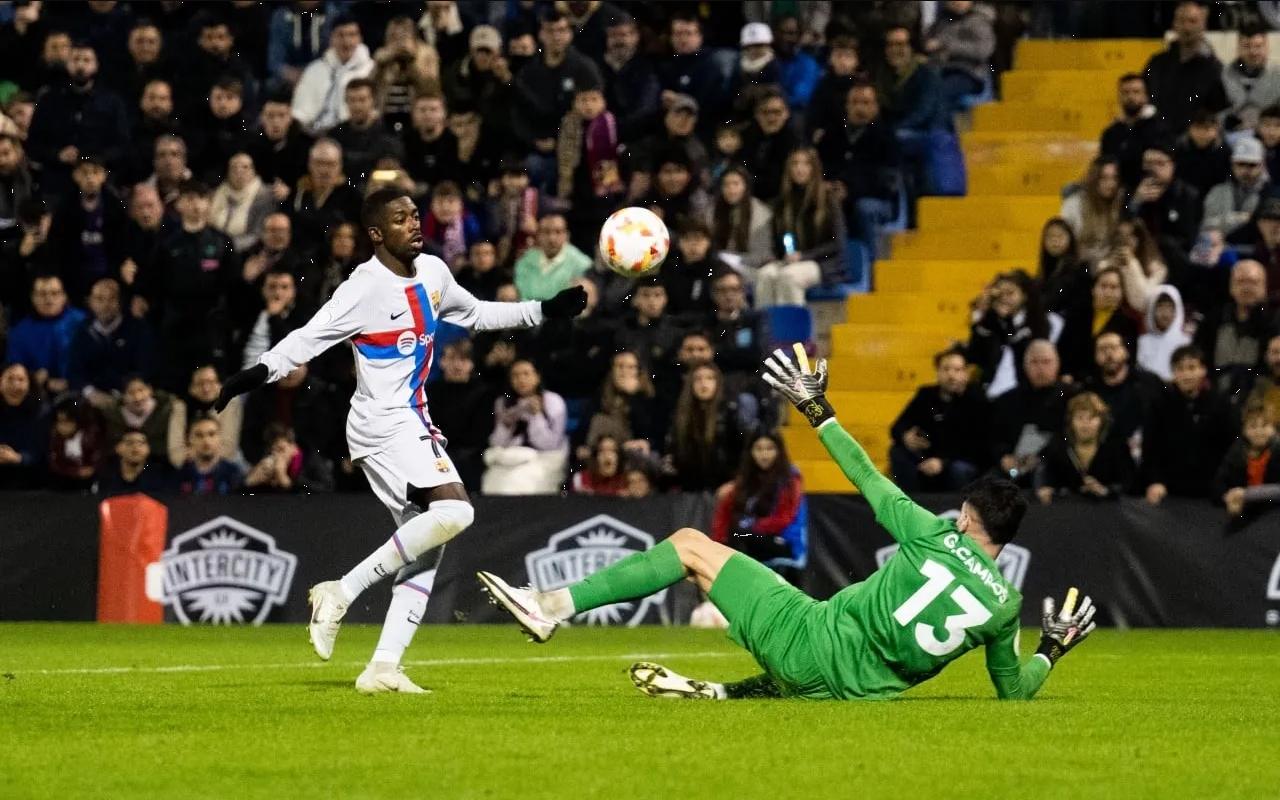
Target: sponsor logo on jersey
[
  {"x": 591, "y": 545},
  {"x": 225, "y": 572},
  {"x": 406, "y": 342}
]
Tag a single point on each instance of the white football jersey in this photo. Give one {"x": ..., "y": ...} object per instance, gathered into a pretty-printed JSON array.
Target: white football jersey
[{"x": 391, "y": 323}]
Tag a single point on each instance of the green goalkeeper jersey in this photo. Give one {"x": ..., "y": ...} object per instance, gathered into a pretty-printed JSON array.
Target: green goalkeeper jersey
[{"x": 938, "y": 598}]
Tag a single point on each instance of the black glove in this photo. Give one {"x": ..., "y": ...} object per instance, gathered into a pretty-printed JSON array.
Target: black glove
[
  {"x": 1059, "y": 632},
  {"x": 565, "y": 305},
  {"x": 246, "y": 380},
  {"x": 805, "y": 389}
]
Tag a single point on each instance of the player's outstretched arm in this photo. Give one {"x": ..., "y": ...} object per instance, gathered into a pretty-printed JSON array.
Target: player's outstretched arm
[
  {"x": 806, "y": 390},
  {"x": 460, "y": 307},
  {"x": 1060, "y": 631}
]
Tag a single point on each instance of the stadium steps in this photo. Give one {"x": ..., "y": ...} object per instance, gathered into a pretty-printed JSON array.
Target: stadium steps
[{"x": 1019, "y": 154}]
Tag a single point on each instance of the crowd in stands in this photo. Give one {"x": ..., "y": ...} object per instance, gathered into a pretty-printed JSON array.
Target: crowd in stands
[{"x": 1143, "y": 357}]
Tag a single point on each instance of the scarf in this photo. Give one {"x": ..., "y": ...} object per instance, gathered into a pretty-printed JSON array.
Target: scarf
[
  {"x": 751, "y": 66},
  {"x": 601, "y": 145},
  {"x": 133, "y": 420},
  {"x": 230, "y": 210},
  {"x": 454, "y": 240}
]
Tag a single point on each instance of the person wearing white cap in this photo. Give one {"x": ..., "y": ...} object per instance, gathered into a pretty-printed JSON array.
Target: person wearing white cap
[
  {"x": 482, "y": 80},
  {"x": 1231, "y": 204}
]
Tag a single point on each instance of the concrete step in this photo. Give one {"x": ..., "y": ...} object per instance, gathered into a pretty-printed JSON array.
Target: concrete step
[
  {"x": 1044, "y": 179},
  {"x": 1023, "y": 213},
  {"x": 972, "y": 244},
  {"x": 914, "y": 310},
  {"x": 1111, "y": 55},
  {"x": 1067, "y": 86},
  {"x": 899, "y": 373},
  {"x": 855, "y": 342},
  {"x": 944, "y": 276},
  {"x": 1015, "y": 116}
]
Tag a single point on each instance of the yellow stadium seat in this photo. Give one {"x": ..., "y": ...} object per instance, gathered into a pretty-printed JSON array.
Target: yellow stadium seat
[
  {"x": 1016, "y": 116},
  {"x": 1114, "y": 55},
  {"x": 1009, "y": 213},
  {"x": 883, "y": 341},
  {"x": 1065, "y": 86},
  {"x": 908, "y": 309},
  {"x": 942, "y": 276},
  {"x": 974, "y": 243}
]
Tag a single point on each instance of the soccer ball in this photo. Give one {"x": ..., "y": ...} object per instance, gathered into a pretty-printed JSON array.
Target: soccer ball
[{"x": 634, "y": 242}]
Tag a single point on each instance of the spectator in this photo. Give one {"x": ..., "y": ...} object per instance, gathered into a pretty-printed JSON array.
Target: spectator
[
  {"x": 1203, "y": 155},
  {"x": 1170, "y": 208},
  {"x": 704, "y": 445},
  {"x": 1029, "y": 415},
  {"x": 1233, "y": 337},
  {"x": 324, "y": 197},
  {"x": 24, "y": 45},
  {"x": 146, "y": 216},
  {"x": 1259, "y": 242},
  {"x": 286, "y": 467},
  {"x": 17, "y": 185},
  {"x": 143, "y": 65},
  {"x": 553, "y": 265},
  {"x": 129, "y": 472},
  {"x": 1089, "y": 460},
  {"x": 52, "y": 65},
  {"x": 462, "y": 406},
  {"x": 319, "y": 102},
  {"x": 190, "y": 295},
  {"x": 431, "y": 149},
  {"x": 864, "y": 164},
  {"x": 25, "y": 256},
  {"x": 961, "y": 42},
  {"x": 763, "y": 513},
  {"x": 756, "y": 68},
  {"x": 1165, "y": 334},
  {"x": 274, "y": 253},
  {"x": 80, "y": 118},
  {"x": 301, "y": 401},
  {"x": 404, "y": 68},
  {"x": 23, "y": 430},
  {"x": 110, "y": 347},
  {"x": 528, "y": 415},
  {"x": 727, "y": 151},
  {"x": 767, "y": 142},
  {"x": 481, "y": 275},
  {"x": 1269, "y": 134},
  {"x": 216, "y": 60},
  {"x": 575, "y": 353},
  {"x": 1007, "y": 317},
  {"x": 687, "y": 276},
  {"x": 241, "y": 204},
  {"x": 514, "y": 212},
  {"x": 808, "y": 235},
  {"x": 88, "y": 231},
  {"x": 151, "y": 411},
  {"x": 1137, "y": 257},
  {"x": 627, "y": 409},
  {"x": 1129, "y": 391},
  {"x": 631, "y": 83},
  {"x": 826, "y": 111},
  {"x": 1229, "y": 206},
  {"x": 1249, "y": 474},
  {"x": 20, "y": 108},
  {"x": 450, "y": 225},
  {"x": 201, "y": 395},
  {"x": 1187, "y": 75},
  {"x": 591, "y": 23},
  {"x": 482, "y": 80},
  {"x": 910, "y": 87},
  {"x": 221, "y": 130},
  {"x": 444, "y": 30},
  {"x": 279, "y": 148},
  {"x": 690, "y": 70},
  {"x": 157, "y": 119},
  {"x": 365, "y": 139},
  {"x": 677, "y": 136},
  {"x": 1093, "y": 211},
  {"x": 171, "y": 169},
  {"x": 205, "y": 473},
  {"x": 737, "y": 331},
  {"x": 1191, "y": 430},
  {"x": 295, "y": 38},
  {"x": 677, "y": 196},
  {"x": 74, "y": 448},
  {"x": 603, "y": 476},
  {"x": 799, "y": 71},
  {"x": 42, "y": 342},
  {"x": 105, "y": 27},
  {"x": 649, "y": 332},
  {"x": 939, "y": 439},
  {"x": 639, "y": 477},
  {"x": 544, "y": 90},
  {"x": 279, "y": 316},
  {"x": 589, "y": 176},
  {"x": 1266, "y": 389},
  {"x": 742, "y": 223},
  {"x": 1137, "y": 128}
]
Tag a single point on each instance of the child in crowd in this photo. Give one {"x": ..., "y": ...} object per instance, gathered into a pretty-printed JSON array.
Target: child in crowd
[
  {"x": 75, "y": 448},
  {"x": 514, "y": 212},
  {"x": 450, "y": 225},
  {"x": 728, "y": 151},
  {"x": 590, "y": 180},
  {"x": 1250, "y": 473},
  {"x": 603, "y": 476}
]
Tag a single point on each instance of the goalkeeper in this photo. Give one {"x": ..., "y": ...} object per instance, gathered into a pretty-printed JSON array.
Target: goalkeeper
[{"x": 939, "y": 597}]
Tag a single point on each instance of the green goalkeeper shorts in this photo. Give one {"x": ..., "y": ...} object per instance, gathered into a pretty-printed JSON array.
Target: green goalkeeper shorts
[{"x": 774, "y": 621}]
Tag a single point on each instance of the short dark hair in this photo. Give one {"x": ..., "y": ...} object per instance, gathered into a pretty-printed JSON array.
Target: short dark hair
[
  {"x": 461, "y": 348},
  {"x": 1270, "y": 112},
  {"x": 133, "y": 432},
  {"x": 696, "y": 227},
  {"x": 1184, "y": 352},
  {"x": 1203, "y": 116},
  {"x": 1252, "y": 28},
  {"x": 192, "y": 186},
  {"x": 1129, "y": 77},
  {"x": 362, "y": 83},
  {"x": 1000, "y": 507},
  {"x": 953, "y": 350},
  {"x": 229, "y": 83},
  {"x": 551, "y": 16},
  {"x": 375, "y": 205}
]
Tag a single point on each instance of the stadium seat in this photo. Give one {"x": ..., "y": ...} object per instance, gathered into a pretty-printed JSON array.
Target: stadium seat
[
  {"x": 790, "y": 324},
  {"x": 945, "y": 167},
  {"x": 987, "y": 95},
  {"x": 576, "y": 408}
]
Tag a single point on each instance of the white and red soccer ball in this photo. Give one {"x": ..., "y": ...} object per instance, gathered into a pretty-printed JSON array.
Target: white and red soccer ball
[{"x": 634, "y": 242}]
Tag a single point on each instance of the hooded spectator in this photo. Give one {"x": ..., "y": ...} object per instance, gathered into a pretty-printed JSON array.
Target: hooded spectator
[{"x": 1166, "y": 322}]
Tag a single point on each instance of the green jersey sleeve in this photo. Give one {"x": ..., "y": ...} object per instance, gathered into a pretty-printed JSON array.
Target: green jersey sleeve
[
  {"x": 893, "y": 509},
  {"x": 1014, "y": 680}
]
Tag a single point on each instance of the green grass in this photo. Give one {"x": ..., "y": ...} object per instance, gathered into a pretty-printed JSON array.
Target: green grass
[{"x": 1159, "y": 714}]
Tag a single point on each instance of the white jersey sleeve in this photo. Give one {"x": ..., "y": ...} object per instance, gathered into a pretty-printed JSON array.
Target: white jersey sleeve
[
  {"x": 461, "y": 308},
  {"x": 337, "y": 321}
]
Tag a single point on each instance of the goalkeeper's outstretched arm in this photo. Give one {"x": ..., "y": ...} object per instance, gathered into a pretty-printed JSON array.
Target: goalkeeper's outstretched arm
[{"x": 1059, "y": 632}]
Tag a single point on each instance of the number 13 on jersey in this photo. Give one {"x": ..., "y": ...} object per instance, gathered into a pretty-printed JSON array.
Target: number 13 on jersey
[{"x": 973, "y": 613}]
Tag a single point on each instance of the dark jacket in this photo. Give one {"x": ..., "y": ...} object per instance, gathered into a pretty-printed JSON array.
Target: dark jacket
[
  {"x": 958, "y": 428},
  {"x": 467, "y": 87},
  {"x": 705, "y": 468},
  {"x": 826, "y": 111},
  {"x": 990, "y": 335},
  {"x": 865, "y": 159},
  {"x": 574, "y": 355},
  {"x": 688, "y": 284},
  {"x": 1186, "y": 440},
  {"x": 1126, "y": 143},
  {"x": 544, "y": 94},
  {"x": 766, "y": 156},
  {"x": 1075, "y": 345},
  {"x": 285, "y": 159},
  {"x": 1235, "y": 349},
  {"x": 104, "y": 359},
  {"x": 155, "y": 480},
  {"x": 314, "y": 410},
  {"x": 1131, "y": 401},
  {"x": 363, "y": 147},
  {"x": 634, "y": 96},
  {"x": 654, "y": 343},
  {"x": 825, "y": 244},
  {"x": 1174, "y": 219},
  {"x": 140, "y": 162},
  {"x": 1044, "y": 410},
  {"x": 699, "y": 76},
  {"x": 93, "y": 121},
  {"x": 464, "y": 412},
  {"x": 214, "y": 140},
  {"x": 1178, "y": 87},
  {"x": 914, "y": 101},
  {"x": 311, "y": 222},
  {"x": 1234, "y": 471},
  {"x": 195, "y": 78},
  {"x": 69, "y": 237},
  {"x": 1112, "y": 466},
  {"x": 430, "y": 162},
  {"x": 1203, "y": 168},
  {"x": 189, "y": 292},
  {"x": 740, "y": 341},
  {"x": 26, "y": 429}
]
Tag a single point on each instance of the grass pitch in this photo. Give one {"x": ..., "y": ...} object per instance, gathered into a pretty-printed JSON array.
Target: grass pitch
[{"x": 242, "y": 713}]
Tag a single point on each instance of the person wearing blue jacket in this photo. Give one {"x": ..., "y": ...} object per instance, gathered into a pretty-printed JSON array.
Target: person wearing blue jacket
[
  {"x": 42, "y": 342},
  {"x": 299, "y": 34},
  {"x": 800, "y": 71}
]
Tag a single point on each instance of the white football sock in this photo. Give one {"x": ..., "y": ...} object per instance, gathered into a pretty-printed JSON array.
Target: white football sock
[
  {"x": 408, "y": 604},
  {"x": 557, "y": 604},
  {"x": 443, "y": 520}
]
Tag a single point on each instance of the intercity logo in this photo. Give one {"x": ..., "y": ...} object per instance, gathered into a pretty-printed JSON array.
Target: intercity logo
[{"x": 225, "y": 572}]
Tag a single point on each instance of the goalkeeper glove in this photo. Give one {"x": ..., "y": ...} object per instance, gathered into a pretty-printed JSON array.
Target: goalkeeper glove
[
  {"x": 246, "y": 380},
  {"x": 1061, "y": 631},
  {"x": 802, "y": 387}
]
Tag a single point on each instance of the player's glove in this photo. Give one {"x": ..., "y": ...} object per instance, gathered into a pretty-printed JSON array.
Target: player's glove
[
  {"x": 1062, "y": 630},
  {"x": 566, "y": 305},
  {"x": 246, "y": 380},
  {"x": 804, "y": 388}
]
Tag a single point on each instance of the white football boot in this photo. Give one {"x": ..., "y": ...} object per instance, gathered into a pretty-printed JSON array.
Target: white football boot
[
  {"x": 383, "y": 676},
  {"x": 328, "y": 607},
  {"x": 522, "y": 604},
  {"x": 656, "y": 680}
]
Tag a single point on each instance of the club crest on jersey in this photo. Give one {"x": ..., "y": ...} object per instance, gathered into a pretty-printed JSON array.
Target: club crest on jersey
[
  {"x": 591, "y": 545},
  {"x": 225, "y": 572},
  {"x": 442, "y": 466},
  {"x": 435, "y": 300}
]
